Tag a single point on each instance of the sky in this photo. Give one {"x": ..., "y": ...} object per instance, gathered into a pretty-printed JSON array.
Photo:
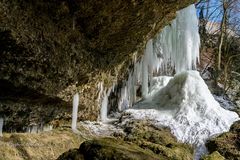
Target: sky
[{"x": 215, "y": 12}]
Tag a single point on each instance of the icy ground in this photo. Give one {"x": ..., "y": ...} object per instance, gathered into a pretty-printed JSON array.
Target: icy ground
[
  {"x": 186, "y": 106},
  {"x": 101, "y": 129},
  {"x": 225, "y": 102}
]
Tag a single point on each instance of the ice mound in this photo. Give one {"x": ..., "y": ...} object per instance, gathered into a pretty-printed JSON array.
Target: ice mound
[{"x": 186, "y": 106}]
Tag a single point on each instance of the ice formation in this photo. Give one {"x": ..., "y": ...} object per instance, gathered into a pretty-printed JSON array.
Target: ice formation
[
  {"x": 38, "y": 128},
  {"x": 1, "y": 126},
  {"x": 158, "y": 83},
  {"x": 177, "y": 45},
  {"x": 75, "y": 111},
  {"x": 104, "y": 106},
  {"x": 100, "y": 128},
  {"x": 180, "y": 41},
  {"x": 183, "y": 102},
  {"x": 186, "y": 106}
]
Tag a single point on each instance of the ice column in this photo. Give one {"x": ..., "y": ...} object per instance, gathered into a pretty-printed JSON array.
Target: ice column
[
  {"x": 147, "y": 64},
  {"x": 75, "y": 111},
  {"x": 1, "y": 126},
  {"x": 104, "y": 106},
  {"x": 180, "y": 41},
  {"x": 177, "y": 44}
]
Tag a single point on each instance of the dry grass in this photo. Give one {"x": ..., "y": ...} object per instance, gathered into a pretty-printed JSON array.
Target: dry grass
[{"x": 45, "y": 145}]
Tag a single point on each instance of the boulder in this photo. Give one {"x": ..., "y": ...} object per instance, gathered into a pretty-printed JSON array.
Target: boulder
[{"x": 227, "y": 144}]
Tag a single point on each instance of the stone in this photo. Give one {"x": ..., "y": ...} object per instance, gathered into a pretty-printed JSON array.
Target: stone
[
  {"x": 227, "y": 144},
  {"x": 214, "y": 156},
  {"x": 142, "y": 141},
  {"x": 159, "y": 140},
  {"x": 109, "y": 148}
]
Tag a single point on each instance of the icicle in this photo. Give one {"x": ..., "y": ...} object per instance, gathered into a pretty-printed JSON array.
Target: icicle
[
  {"x": 177, "y": 45},
  {"x": 145, "y": 72},
  {"x": 104, "y": 106},
  {"x": 100, "y": 89},
  {"x": 1, "y": 126},
  {"x": 75, "y": 111},
  {"x": 180, "y": 41},
  {"x": 123, "y": 102}
]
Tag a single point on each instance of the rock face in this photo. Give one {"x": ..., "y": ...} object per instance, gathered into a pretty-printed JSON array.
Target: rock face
[
  {"x": 227, "y": 144},
  {"x": 58, "y": 47}
]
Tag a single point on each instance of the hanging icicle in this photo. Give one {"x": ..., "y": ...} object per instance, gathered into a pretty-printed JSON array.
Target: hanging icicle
[
  {"x": 177, "y": 45},
  {"x": 75, "y": 111}
]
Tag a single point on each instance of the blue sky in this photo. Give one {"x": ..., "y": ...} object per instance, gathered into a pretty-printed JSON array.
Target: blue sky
[{"x": 214, "y": 12}]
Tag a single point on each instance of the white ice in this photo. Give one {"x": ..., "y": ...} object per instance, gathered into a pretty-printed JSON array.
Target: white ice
[
  {"x": 104, "y": 105},
  {"x": 186, "y": 106},
  {"x": 157, "y": 83},
  {"x": 75, "y": 111},
  {"x": 1, "y": 126},
  {"x": 179, "y": 42},
  {"x": 100, "y": 129},
  {"x": 177, "y": 45}
]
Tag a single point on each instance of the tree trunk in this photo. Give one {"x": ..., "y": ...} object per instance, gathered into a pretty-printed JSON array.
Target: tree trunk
[{"x": 222, "y": 34}]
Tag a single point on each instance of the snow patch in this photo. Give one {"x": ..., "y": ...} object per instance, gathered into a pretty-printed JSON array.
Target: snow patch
[{"x": 100, "y": 129}]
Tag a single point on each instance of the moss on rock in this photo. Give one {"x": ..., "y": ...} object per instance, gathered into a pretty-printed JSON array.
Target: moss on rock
[
  {"x": 158, "y": 140},
  {"x": 110, "y": 148},
  {"x": 227, "y": 144},
  {"x": 115, "y": 149},
  {"x": 142, "y": 141},
  {"x": 214, "y": 156}
]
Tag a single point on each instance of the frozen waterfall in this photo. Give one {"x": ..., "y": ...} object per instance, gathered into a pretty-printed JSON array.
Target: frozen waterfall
[
  {"x": 177, "y": 45},
  {"x": 183, "y": 102}
]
